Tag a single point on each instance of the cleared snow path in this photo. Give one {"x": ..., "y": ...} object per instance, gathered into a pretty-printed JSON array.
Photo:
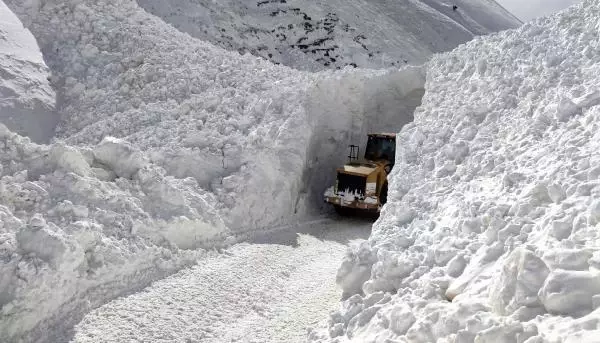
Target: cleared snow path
[{"x": 268, "y": 291}]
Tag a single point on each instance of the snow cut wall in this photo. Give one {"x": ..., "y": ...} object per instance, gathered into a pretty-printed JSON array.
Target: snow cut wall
[{"x": 26, "y": 99}]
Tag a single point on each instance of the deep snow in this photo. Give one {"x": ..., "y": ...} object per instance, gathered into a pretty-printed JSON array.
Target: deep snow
[
  {"x": 70, "y": 239},
  {"x": 492, "y": 226},
  {"x": 166, "y": 144}
]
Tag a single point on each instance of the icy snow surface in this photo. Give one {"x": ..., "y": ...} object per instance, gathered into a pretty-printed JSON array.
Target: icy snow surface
[
  {"x": 492, "y": 229},
  {"x": 251, "y": 293},
  {"x": 321, "y": 34},
  {"x": 26, "y": 98}
]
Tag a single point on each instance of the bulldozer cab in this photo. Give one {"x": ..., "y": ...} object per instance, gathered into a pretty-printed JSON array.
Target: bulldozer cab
[{"x": 381, "y": 147}]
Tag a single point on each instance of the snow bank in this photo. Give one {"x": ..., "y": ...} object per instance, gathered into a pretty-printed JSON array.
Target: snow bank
[
  {"x": 74, "y": 232},
  {"x": 26, "y": 98},
  {"x": 317, "y": 35},
  {"x": 491, "y": 230},
  {"x": 79, "y": 226}
]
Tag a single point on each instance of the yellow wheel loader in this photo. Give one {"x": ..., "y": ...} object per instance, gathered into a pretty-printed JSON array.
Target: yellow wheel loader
[{"x": 361, "y": 184}]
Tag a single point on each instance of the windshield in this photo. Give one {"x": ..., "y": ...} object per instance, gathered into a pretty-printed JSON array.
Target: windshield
[{"x": 381, "y": 148}]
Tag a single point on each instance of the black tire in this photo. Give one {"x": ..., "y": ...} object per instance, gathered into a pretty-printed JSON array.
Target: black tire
[{"x": 383, "y": 195}]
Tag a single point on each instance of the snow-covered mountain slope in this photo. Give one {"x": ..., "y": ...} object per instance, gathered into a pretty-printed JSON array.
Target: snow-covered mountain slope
[
  {"x": 26, "y": 98},
  {"x": 316, "y": 35},
  {"x": 529, "y": 10},
  {"x": 492, "y": 232}
]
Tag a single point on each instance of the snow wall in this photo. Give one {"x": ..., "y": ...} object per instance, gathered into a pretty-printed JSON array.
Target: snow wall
[
  {"x": 26, "y": 99},
  {"x": 347, "y": 107},
  {"x": 165, "y": 145},
  {"x": 491, "y": 232}
]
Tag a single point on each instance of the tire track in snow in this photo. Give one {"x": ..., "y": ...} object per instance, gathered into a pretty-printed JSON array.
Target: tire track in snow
[{"x": 251, "y": 293}]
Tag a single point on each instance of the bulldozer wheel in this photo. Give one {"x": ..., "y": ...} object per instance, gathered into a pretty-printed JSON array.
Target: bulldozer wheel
[{"x": 383, "y": 195}]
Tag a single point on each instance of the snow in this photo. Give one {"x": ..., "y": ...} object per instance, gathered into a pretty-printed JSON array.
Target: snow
[
  {"x": 26, "y": 98},
  {"x": 250, "y": 133},
  {"x": 535, "y": 8},
  {"x": 260, "y": 292},
  {"x": 317, "y": 35},
  {"x": 67, "y": 236},
  {"x": 166, "y": 146},
  {"x": 490, "y": 233},
  {"x": 119, "y": 156}
]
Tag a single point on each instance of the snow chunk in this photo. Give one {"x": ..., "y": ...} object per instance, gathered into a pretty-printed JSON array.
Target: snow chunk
[
  {"x": 70, "y": 159},
  {"x": 120, "y": 156},
  {"x": 456, "y": 265},
  {"x": 566, "y": 109},
  {"x": 595, "y": 212},
  {"x": 522, "y": 277},
  {"x": 355, "y": 269},
  {"x": 556, "y": 193},
  {"x": 401, "y": 319},
  {"x": 570, "y": 292},
  {"x": 39, "y": 239}
]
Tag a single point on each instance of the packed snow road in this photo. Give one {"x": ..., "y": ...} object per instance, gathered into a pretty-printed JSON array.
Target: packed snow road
[{"x": 271, "y": 290}]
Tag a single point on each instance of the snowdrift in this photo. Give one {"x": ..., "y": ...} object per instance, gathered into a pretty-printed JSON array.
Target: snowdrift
[
  {"x": 492, "y": 228},
  {"x": 316, "y": 35},
  {"x": 80, "y": 226}
]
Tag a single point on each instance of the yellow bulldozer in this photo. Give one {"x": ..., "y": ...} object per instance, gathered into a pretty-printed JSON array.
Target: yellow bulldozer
[{"x": 361, "y": 184}]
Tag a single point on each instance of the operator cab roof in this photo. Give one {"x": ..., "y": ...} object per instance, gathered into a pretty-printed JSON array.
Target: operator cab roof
[{"x": 382, "y": 134}]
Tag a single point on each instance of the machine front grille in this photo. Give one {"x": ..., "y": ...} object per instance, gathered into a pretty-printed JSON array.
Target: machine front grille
[{"x": 351, "y": 183}]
